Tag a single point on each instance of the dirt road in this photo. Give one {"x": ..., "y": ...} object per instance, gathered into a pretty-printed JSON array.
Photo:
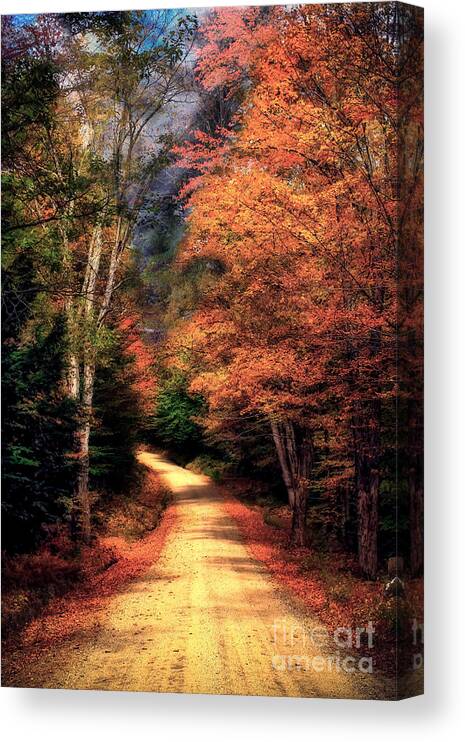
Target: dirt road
[{"x": 206, "y": 618}]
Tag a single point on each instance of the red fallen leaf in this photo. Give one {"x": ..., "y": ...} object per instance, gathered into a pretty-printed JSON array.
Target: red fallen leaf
[
  {"x": 83, "y": 608},
  {"x": 361, "y": 604}
]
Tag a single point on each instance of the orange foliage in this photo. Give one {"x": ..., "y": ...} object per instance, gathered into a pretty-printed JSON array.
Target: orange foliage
[
  {"x": 141, "y": 356},
  {"x": 302, "y": 203}
]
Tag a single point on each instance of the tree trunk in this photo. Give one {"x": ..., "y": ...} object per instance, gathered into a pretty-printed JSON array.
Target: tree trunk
[
  {"x": 294, "y": 446},
  {"x": 344, "y": 503},
  {"x": 368, "y": 454},
  {"x": 82, "y": 498},
  {"x": 367, "y": 439},
  {"x": 299, "y": 517},
  {"x": 72, "y": 377},
  {"x": 82, "y": 484},
  {"x": 368, "y": 496},
  {"x": 80, "y": 387},
  {"x": 415, "y": 486},
  {"x": 416, "y": 525},
  {"x": 286, "y": 468}
]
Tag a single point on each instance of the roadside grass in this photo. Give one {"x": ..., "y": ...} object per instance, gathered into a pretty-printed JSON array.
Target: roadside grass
[
  {"x": 132, "y": 516},
  {"x": 210, "y": 466}
]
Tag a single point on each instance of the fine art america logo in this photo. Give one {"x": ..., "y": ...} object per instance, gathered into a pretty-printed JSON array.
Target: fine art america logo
[{"x": 319, "y": 650}]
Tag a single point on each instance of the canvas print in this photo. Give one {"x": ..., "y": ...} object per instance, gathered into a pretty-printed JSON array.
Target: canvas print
[{"x": 212, "y": 350}]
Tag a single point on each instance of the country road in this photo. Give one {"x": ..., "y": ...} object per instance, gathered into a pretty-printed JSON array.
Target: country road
[{"x": 205, "y": 618}]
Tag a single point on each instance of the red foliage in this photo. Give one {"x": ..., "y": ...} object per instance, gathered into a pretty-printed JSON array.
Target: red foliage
[
  {"x": 141, "y": 356},
  {"x": 77, "y": 611},
  {"x": 361, "y": 601}
]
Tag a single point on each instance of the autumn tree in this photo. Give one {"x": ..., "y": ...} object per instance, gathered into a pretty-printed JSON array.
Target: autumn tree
[{"x": 300, "y": 200}]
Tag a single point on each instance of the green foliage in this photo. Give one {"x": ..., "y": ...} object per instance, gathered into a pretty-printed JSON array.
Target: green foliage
[
  {"x": 38, "y": 421},
  {"x": 323, "y": 525},
  {"x": 118, "y": 419},
  {"x": 37, "y": 428},
  {"x": 29, "y": 88},
  {"x": 207, "y": 464},
  {"x": 53, "y": 188},
  {"x": 174, "y": 423},
  {"x": 393, "y": 517}
]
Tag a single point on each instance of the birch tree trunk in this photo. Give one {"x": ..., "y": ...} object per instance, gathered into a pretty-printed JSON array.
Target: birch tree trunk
[
  {"x": 82, "y": 481},
  {"x": 81, "y": 385},
  {"x": 72, "y": 376}
]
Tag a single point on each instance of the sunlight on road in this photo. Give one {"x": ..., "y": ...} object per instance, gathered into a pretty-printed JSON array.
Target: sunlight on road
[{"x": 205, "y": 618}]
